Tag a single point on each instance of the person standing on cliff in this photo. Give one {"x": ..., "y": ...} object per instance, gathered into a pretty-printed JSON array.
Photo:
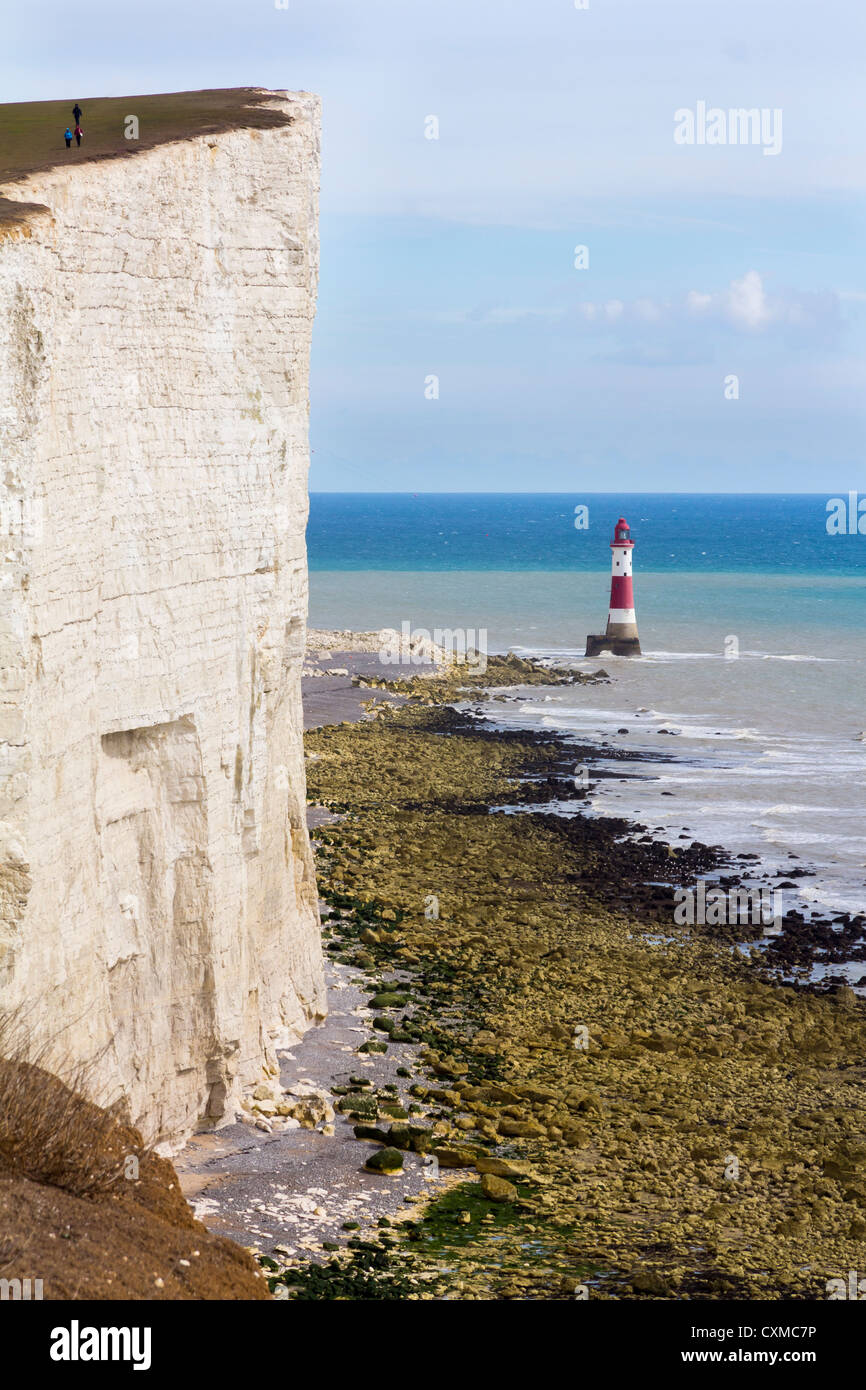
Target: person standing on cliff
[
  {"x": 67, "y": 135},
  {"x": 77, "y": 113},
  {"x": 78, "y": 134}
]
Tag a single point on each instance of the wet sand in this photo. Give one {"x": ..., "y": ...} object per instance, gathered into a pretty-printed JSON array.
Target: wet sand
[{"x": 332, "y": 699}]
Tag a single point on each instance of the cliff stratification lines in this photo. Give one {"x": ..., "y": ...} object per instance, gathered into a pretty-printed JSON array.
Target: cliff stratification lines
[{"x": 159, "y": 905}]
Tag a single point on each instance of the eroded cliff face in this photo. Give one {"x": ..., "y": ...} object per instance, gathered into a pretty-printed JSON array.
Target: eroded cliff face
[{"x": 157, "y": 897}]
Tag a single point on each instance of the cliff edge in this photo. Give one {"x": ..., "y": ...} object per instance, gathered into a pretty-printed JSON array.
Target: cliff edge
[{"x": 157, "y": 896}]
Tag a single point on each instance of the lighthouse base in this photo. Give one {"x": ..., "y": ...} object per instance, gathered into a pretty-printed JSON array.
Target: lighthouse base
[{"x": 612, "y": 646}]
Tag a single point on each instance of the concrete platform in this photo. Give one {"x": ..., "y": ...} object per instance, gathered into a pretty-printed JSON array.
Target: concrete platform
[{"x": 612, "y": 646}]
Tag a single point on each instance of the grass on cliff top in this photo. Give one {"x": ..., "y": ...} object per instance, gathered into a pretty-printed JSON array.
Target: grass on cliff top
[{"x": 31, "y": 132}]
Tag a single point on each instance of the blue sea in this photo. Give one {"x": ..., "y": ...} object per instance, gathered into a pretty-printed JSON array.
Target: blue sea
[
  {"x": 677, "y": 532},
  {"x": 751, "y": 618}
]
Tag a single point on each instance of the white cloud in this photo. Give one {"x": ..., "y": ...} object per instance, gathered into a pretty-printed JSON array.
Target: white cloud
[
  {"x": 647, "y": 310},
  {"x": 747, "y": 305},
  {"x": 679, "y": 326},
  {"x": 744, "y": 305},
  {"x": 697, "y": 302}
]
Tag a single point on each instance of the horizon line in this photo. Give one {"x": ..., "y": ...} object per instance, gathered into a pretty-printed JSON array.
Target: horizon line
[{"x": 549, "y": 492}]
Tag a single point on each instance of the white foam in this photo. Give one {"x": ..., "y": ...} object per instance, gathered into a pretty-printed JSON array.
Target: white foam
[
  {"x": 797, "y": 656},
  {"x": 770, "y": 736}
]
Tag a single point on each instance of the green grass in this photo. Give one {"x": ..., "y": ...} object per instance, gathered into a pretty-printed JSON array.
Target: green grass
[{"x": 31, "y": 132}]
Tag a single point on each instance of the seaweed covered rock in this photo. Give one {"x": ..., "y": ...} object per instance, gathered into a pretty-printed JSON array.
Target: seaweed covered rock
[{"x": 385, "y": 1160}]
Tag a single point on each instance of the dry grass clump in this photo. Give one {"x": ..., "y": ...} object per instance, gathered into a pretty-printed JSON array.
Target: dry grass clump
[{"x": 50, "y": 1131}]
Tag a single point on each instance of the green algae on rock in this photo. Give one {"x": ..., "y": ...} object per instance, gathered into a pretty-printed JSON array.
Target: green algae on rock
[{"x": 386, "y": 1160}]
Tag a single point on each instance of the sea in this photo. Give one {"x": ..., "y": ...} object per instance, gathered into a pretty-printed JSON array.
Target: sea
[{"x": 748, "y": 703}]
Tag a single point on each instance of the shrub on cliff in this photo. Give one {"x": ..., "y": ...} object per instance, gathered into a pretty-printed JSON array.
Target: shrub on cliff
[{"x": 50, "y": 1131}]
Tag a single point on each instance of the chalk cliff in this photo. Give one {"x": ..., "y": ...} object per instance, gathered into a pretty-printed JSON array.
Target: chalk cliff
[{"x": 157, "y": 897}]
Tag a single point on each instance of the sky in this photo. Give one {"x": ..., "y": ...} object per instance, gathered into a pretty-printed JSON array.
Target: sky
[{"x": 709, "y": 336}]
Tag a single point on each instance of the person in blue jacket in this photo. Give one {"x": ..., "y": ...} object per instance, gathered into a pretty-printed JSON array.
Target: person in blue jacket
[{"x": 67, "y": 135}]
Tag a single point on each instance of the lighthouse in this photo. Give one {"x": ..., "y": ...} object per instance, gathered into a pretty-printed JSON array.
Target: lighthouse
[{"x": 621, "y": 637}]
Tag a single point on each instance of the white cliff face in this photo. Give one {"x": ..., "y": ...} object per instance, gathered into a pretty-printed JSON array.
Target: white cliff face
[{"x": 157, "y": 898}]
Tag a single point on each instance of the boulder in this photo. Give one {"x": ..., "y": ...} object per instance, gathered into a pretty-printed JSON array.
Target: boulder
[
  {"x": 386, "y": 1160},
  {"x": 497, "y": 1189}
]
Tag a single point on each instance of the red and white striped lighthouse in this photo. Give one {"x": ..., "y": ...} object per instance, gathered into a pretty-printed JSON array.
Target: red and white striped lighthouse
[{"x": 621, "y": 637}]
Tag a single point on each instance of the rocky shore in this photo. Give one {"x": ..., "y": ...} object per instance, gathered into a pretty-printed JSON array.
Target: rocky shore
[{"x": 625, "y": 1108}]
